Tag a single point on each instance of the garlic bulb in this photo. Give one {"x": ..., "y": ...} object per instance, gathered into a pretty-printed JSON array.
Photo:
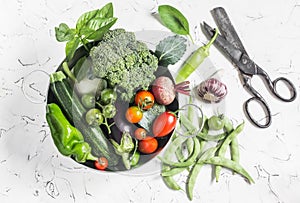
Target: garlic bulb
[{"x": 212, "y": 90}]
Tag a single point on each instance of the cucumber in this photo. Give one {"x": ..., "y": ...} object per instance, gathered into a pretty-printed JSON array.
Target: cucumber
[{"x": 75, "y": 112}]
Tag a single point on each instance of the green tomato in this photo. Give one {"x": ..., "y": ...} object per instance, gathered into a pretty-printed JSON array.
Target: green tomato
[
  {"x": 94, "y": 117},
  {"x": 216, "y": 122},
  {"x": 135, "y": 159},
  {"x": 88, "y": 100},
  {"x": 108, "y": 96},
  {"x": 109, "y": 111}
]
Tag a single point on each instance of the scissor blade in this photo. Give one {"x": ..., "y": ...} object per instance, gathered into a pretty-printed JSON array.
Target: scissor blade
[
  {"x": 226, "y": 28},
  {"x": 227, "y": 48}
]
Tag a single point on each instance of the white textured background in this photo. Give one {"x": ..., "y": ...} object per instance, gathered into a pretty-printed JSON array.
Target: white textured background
[{"x": 31, "y": 170}]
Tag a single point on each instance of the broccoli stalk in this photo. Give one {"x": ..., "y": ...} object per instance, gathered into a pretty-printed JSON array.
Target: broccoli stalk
[{"x": 124, "y": 62}]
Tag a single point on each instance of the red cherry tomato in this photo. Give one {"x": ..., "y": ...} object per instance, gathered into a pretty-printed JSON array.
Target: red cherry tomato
[
  {"x": 164, "y": 124},
  {"x": 148, "y": 145},
  {"x": 134, "y": 114},
  {"x": 140, "y": 133},
  {"x": 144, "y": 99},
  {"x": 101, "y": 163}
]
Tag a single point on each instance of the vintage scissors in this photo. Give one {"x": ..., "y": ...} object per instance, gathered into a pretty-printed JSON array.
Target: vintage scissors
[{"x": 230, "y": 44}]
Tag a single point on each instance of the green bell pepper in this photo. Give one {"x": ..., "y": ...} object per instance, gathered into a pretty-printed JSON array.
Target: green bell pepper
[{"x": 68, "y": 139}]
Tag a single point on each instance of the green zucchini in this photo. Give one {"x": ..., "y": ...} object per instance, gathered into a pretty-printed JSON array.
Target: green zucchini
[{"x": 75, "y": 112}]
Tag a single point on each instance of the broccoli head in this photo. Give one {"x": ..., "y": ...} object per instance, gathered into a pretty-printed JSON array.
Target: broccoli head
[{"x": 124, "y": 62}]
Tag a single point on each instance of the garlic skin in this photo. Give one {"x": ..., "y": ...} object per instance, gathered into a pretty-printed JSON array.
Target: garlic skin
[{"x": 212, "y": 90}]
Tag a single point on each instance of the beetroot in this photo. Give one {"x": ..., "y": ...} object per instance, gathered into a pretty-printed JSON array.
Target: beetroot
[{"x": 164, "y": 90}]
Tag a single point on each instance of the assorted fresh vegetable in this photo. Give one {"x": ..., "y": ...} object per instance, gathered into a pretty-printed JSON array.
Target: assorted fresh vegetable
[{"x": 116, "y": 106}]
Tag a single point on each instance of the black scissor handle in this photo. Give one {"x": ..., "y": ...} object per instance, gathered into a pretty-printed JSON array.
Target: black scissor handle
[
  {"x": 264, "y": 106},
  {"x": 272, "y": 85},
  {"x": 289, "y": 85}
]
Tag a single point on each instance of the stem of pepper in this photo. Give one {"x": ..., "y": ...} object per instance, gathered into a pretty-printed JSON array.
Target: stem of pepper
[
  {"x": 91, "y": 157},
  {"x": 207, "y": 46}
]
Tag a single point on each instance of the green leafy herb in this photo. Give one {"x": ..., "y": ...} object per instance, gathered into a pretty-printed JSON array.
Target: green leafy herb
[
  {"x": 64, "y": 33},
  {"x": 174, "y": 20},
  {"x": 150, "y": 115},
  {"x": 170, "y": 50},
  {"x": 90, "y": 26}
]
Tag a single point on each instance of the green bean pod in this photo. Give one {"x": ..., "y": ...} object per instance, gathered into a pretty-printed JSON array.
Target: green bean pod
[
  {"x": 209, "y": 137},
  {"x": 190, "y": 145},
  {"x": 179, "y": 155},
  {"x": 225, "y": 145},
  {"x": 194, "y": 61},
  {"x": 234, "y": 150},
  {"x": 189, "y": 161},
  {"x": 173, "y": 171},
  {"x": 227, "y": 163},
  {"x": 192, "y": 177},
  {"x": 169, "y": 180},
  {"x": 192, "y": 180}
]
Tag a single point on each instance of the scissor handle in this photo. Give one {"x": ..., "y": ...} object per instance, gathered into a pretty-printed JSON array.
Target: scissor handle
[
  {"x": 266, "y": 109},
  {"x": 288, "y": 84},
  {"x": 272, "y": 85}
]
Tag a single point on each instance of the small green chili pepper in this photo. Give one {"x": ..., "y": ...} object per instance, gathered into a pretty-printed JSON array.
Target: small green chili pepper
[
  {"x": 124, "y": 148},
  {"x": 135, "y": 158},
  {"x": 68, "y": 140},
  {"x": 195, "y": 60}
]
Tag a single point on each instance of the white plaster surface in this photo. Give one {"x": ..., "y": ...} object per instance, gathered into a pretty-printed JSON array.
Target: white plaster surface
[{"x": 32, "y": 170}]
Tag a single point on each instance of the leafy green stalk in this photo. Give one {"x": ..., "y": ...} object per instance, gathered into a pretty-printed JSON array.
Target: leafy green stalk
[{"x": 90, "y": 26}]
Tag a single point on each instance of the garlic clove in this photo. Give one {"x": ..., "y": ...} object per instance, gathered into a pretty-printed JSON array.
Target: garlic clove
[{"x": 212, "y": 90}]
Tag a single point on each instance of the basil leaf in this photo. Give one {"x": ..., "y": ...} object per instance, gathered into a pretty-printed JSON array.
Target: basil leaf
[
  {"x": 64, "y": 33},
  {"x": 96, "y": 24},
  {"x": 173, "y": 19},
  {"x": 106, "y": 11},
  {"x": 97, "y": 34},
  {"x": 85, "y": 19},
  {"x": 71, "y": 47},
  {"x": 170, "y": 50}
]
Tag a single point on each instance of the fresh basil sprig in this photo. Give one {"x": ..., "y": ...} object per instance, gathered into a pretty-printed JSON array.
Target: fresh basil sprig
[
  {"x": 174, "y": 20},
  {"x": 90, "y": 26}
]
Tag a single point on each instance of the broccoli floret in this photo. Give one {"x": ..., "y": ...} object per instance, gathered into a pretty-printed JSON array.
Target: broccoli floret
[{"x": 124, "y": 62}]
